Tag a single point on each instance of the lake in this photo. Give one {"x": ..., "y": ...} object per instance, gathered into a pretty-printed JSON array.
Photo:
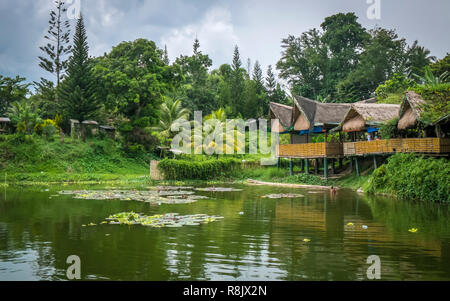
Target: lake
[{"x": 314, "y": 237}]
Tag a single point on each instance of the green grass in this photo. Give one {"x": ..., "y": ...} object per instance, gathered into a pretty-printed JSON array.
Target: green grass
[{"x": 33, "y": 159}]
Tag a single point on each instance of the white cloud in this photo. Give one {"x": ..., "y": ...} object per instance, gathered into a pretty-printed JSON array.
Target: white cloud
[{"x": 215, "y": 32}]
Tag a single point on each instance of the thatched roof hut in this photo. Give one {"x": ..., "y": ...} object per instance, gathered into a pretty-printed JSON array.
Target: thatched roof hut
[
  {"x": 410, "y": 110},
  {"x": 309, "y": 114},
  {"x": 363, "y": 115},
  {"x": 283, "y": 116}
]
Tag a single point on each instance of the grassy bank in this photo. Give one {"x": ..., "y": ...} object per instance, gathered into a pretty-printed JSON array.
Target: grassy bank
[{"x": 33, "y": 159}]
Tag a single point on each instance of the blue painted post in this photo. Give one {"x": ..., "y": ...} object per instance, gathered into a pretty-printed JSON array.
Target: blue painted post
[
  {"x": 290, "y": 167},
  {"x": 357, "y": 166}
]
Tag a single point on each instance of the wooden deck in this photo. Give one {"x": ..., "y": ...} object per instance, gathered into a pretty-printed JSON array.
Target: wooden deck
[{"x": 362, "y": 148}]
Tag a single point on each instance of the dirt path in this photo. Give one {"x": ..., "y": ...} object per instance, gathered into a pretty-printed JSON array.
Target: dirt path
[{"x": 260, "y": 183}]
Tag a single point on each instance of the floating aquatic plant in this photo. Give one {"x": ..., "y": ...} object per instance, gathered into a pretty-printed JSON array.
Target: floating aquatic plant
[
  {"x": 170, "y": 220},
  {"x": 148, "y": 196}
]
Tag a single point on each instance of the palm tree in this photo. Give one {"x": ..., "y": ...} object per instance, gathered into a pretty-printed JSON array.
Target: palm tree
[
  {"x": 430, "y": 79},
  {"x": 217, "y": 125},
  {"x": 418, "y": 58},
  {"x": 171, "y": 111},
  {"x": 24, "y": 116}
]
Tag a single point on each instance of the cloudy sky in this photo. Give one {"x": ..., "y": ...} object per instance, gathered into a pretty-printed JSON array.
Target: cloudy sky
[{"x": 256, "y": 26}]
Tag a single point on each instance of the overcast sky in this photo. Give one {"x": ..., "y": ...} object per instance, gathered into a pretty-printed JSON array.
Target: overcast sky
[{"x": 256, "y": 26}]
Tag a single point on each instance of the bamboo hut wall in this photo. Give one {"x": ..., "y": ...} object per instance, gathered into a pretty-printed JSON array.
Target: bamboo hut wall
[
  {"x": 308, "y": 150},
  {"x": 389, "y": 146},
  {"x": 311, "y": 150},
  {"x": 426, "y": 145}
]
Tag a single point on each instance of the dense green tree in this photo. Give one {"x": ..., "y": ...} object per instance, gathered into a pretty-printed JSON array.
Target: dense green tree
[
  {"x": 11, "y": 90},
  {"x": 441, "y": 66},
  {"x": 77, "y": 91},
  {"x": 44, "y": 98},
  {"x": 280, "y": 96},
  {"x": 223, "y": 84},
  {"x": 304, "y": 64},
  {"x": 384, "y": 55},
  {"x": 132, "y": 80},
  {"x": 199, "y": 93},
  {"x": 344, "y": 38},
  {"x": 55, "y": 59},
  {"x": 251, "y": 107}
]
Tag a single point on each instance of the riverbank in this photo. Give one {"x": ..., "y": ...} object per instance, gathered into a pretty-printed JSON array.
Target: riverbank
[{"x": 30, "y": 160}]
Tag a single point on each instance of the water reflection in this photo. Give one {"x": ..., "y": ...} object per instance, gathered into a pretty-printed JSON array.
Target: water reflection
[{"x": 38, "y": 232}]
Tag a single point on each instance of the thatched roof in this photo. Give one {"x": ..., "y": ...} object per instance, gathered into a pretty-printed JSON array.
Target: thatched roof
[
  {"x": 410, "y": 110},
  {"x": 281, "y": 112},
  {"x": 362, "y": 115},
  {"x": 5, "y": 120},
  {"x": 319, "y": 114}
]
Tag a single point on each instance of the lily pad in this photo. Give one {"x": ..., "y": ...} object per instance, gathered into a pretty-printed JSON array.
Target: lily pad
[
  {"x": 170, "y": 220},
  {"x": 148, "y": 196}
]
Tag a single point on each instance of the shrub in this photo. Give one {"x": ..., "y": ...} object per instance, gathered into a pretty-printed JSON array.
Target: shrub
[
  {"x": 437, "y": 104},
  {"x": 309, "y": 179},
  {"x": 202, "y": 170},
  {"x": 397, "y": 84},
  {"x": 413, "y": 177},
  {"x": 49, "y": 129}
]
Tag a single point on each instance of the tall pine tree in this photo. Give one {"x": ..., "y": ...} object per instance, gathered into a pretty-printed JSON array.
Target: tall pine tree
[
  {"x": 271, "y": 83},
  {"x": 237, "y": 83},
  {"x": 57, "y": 48},
  {"x": 77, "y": 92}
]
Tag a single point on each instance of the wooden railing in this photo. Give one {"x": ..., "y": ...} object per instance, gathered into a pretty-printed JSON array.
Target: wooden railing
[
  {"x": 388, "y": 146},
  {"x": 311, "y": 150}
]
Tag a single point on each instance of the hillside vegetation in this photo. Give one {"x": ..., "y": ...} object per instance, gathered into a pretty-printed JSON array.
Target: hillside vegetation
[{"x": 31, "y": 158}]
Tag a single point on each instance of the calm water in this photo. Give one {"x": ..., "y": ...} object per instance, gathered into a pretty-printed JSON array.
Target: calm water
[{"x": 38, "y": 233}]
